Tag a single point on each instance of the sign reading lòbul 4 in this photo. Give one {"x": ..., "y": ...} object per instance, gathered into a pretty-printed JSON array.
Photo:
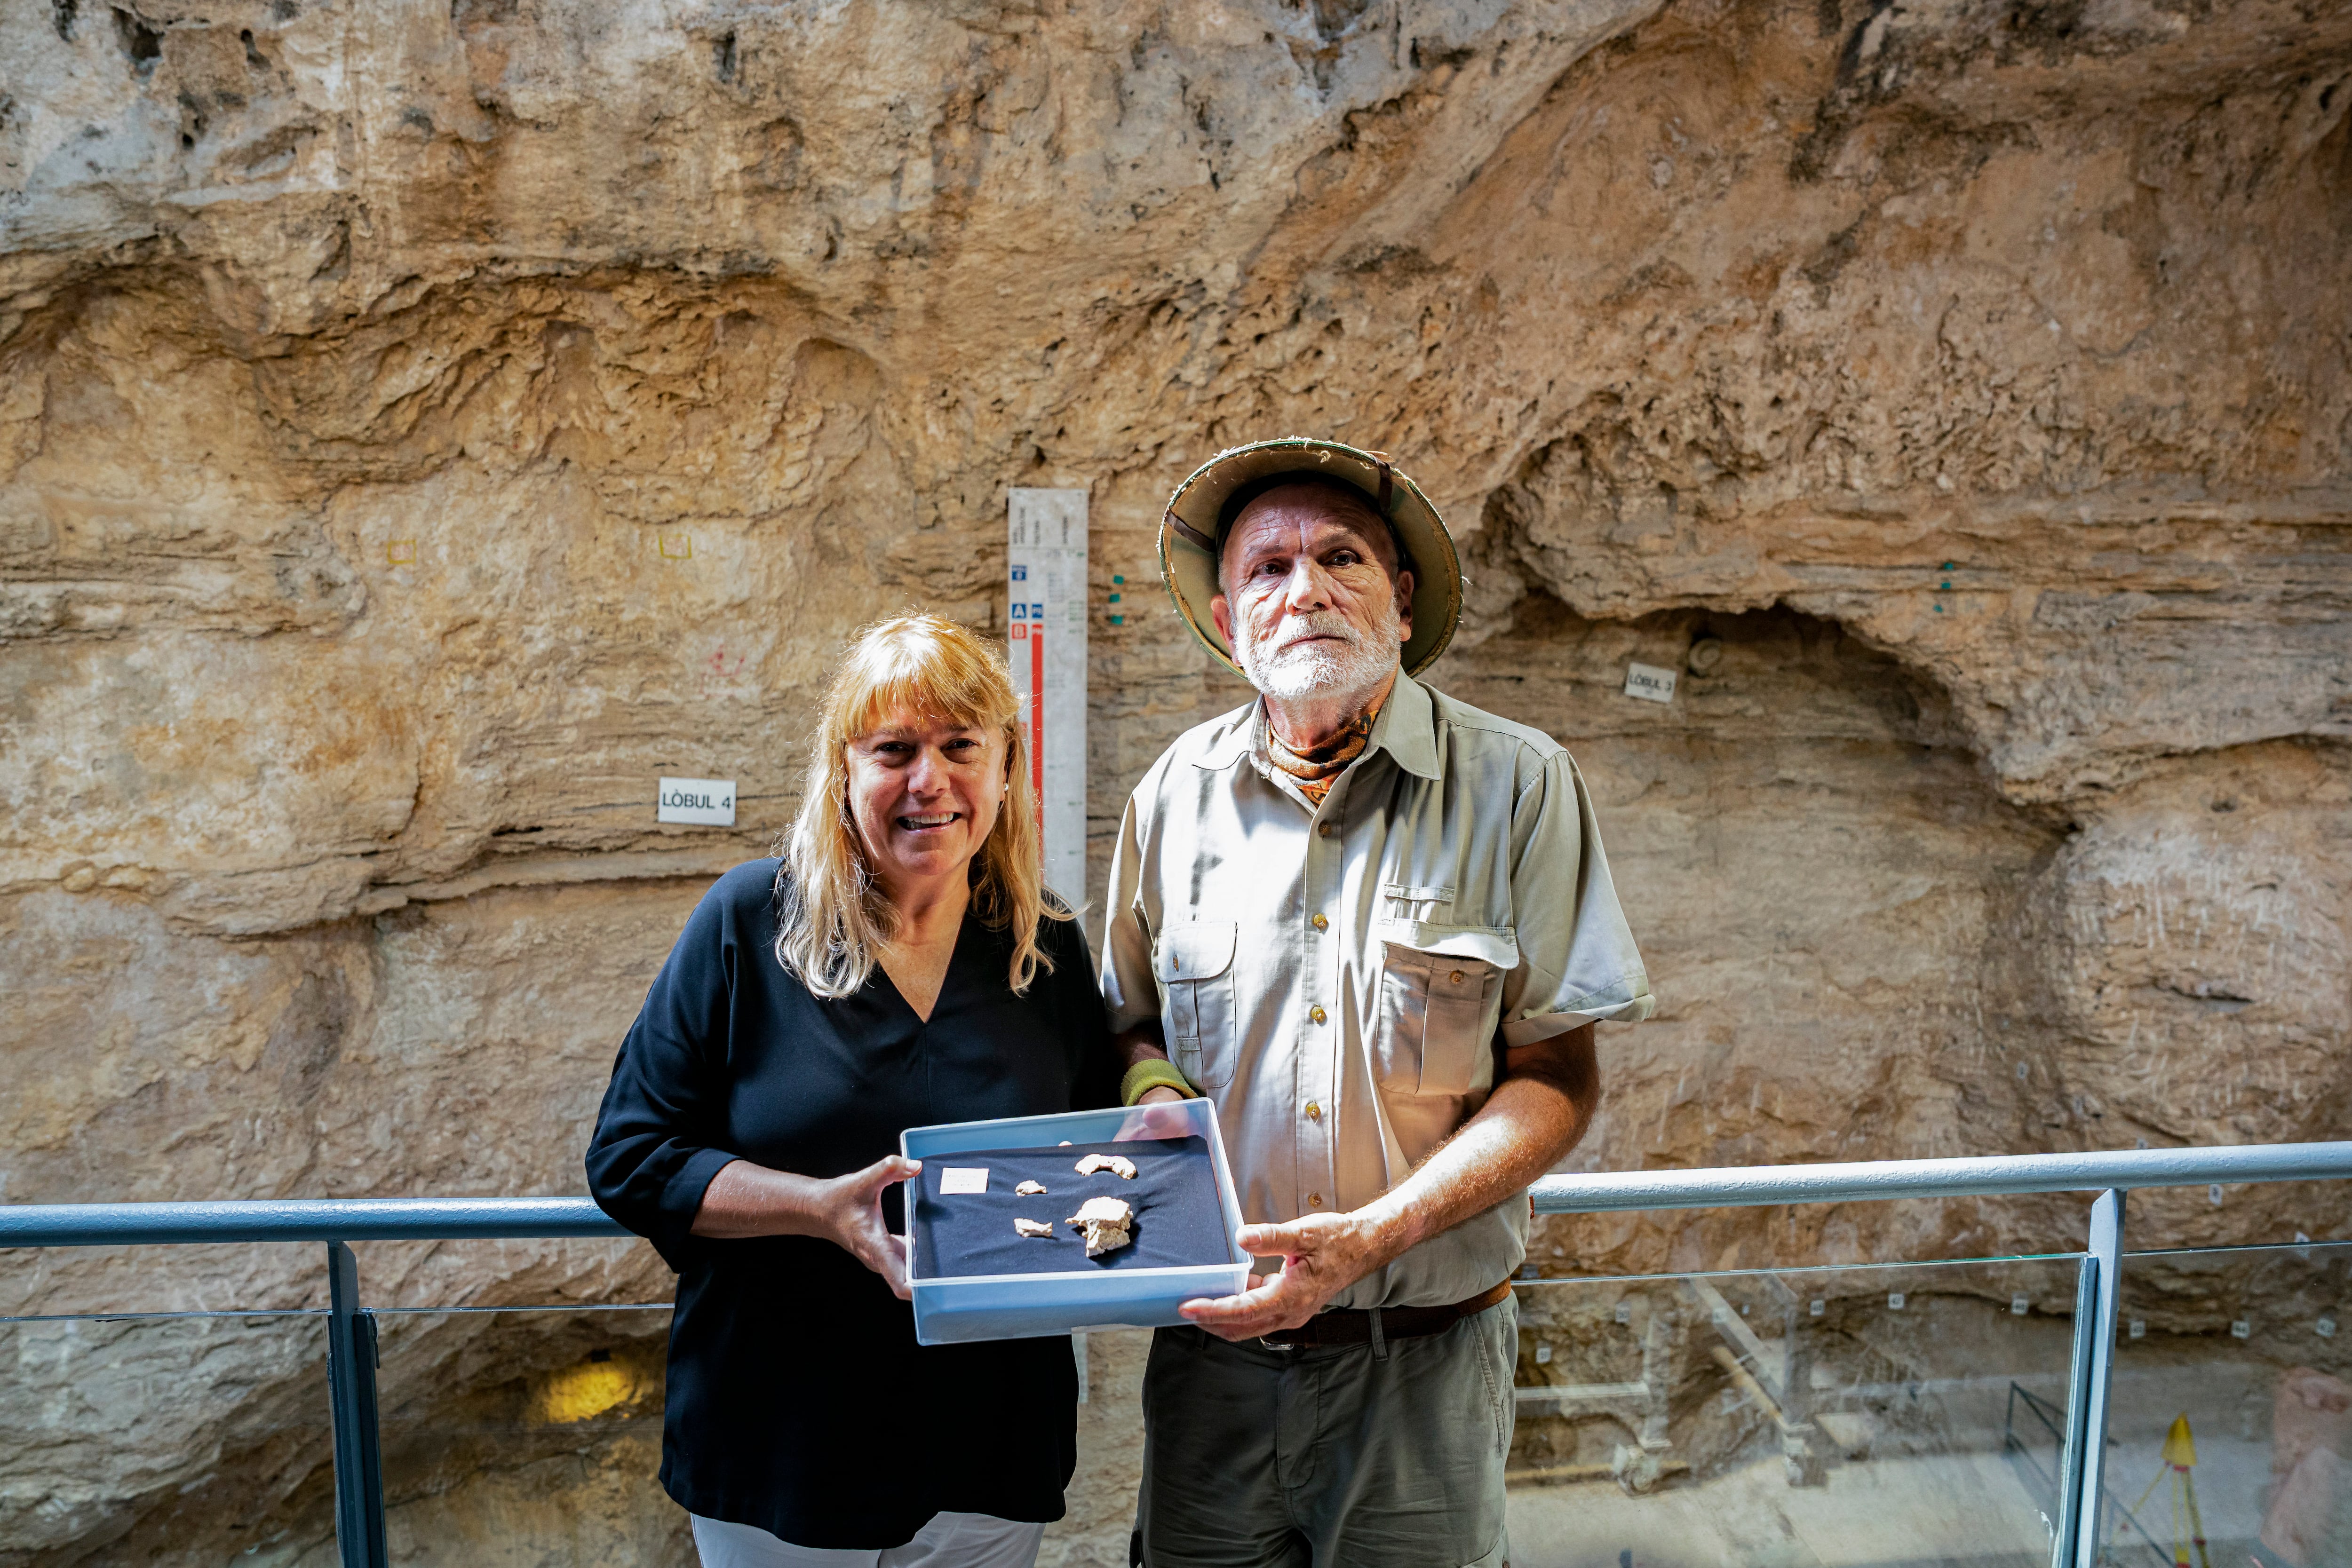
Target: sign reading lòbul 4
[{"x": 704, "y": 802}]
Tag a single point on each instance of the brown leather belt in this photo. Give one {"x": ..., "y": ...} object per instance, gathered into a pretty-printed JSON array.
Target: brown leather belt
[{"x": 1351, "y": 1326}]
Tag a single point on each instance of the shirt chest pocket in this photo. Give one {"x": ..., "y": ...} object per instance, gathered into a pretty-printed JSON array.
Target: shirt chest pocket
[
  {"x": 1194, "y": 965},
  {"x": 1440, "y": 996}
]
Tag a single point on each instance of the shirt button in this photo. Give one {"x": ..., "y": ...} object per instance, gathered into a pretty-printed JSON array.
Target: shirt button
[
  {"x": 1314, "y": 1200},
  {"x": 1456, "y": 977},
  {"x": 1316, "y": 1013},
  {"x": 1320, "y": 924},
  {"x": 1314, "y": 1112},
  {"x": 1326, "y": 830}
]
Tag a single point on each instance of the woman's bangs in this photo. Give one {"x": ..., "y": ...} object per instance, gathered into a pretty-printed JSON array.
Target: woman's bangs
[{"x": 926, "y": 676}]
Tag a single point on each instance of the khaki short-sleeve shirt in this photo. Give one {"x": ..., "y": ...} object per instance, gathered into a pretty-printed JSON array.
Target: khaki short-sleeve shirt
[{"x": 1337, "y": 979}]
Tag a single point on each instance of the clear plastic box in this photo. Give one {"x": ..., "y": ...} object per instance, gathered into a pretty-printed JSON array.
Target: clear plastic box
[{"x": 1021, "y": 1306}]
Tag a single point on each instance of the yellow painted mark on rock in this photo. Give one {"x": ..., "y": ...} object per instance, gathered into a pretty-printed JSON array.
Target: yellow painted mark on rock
[{"x": 583, "y": 1392}]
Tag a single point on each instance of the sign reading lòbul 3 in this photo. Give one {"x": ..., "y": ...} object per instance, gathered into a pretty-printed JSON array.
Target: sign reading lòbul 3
[
  {"x": 705, "y": 802},
  {"x": 1651, "y": 682}
]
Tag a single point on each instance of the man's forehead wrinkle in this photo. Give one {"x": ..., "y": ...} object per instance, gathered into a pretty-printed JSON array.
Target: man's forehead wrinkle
[{"x": 1288, "y": 525}]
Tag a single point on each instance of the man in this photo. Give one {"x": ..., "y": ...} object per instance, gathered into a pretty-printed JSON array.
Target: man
[{"x": 1374, "y": 925}]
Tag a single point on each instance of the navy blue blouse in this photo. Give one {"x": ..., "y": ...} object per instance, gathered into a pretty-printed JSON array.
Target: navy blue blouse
[{"x": 798, "y": 1400}]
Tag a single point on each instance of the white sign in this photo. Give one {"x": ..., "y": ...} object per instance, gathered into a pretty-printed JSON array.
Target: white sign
[
  {"x": 956, "y": 1179},
  {"x": 706, "y": 802},
  {"x": 1046, "y": 631},
  {"x": 1650, "y": 682}
]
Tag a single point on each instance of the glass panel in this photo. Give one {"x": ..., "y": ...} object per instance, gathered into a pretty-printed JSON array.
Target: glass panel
[
  {"x": 560, "y": 1271},
  {"x": 526, "y": 1438},
  {"x": 118, "y": 1283},
  {"x": 1910, "y": 1415},
  {"x": 2230, "y": 1437},
  {"x": 166, "y": 1441},
  {"x": 291, "y": 1276}
]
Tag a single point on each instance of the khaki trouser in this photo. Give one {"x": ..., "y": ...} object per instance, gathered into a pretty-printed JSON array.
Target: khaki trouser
[{"x": 1386, "y": 1456}]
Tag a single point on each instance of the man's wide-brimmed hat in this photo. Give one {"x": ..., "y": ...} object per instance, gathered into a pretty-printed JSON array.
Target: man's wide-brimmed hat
[{"x": 1192, "y": 532}]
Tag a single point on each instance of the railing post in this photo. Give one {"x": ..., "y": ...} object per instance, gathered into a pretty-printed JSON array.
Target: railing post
[
  {"x": 2064, "y": 1528},
  {"x": 2097, "y": 1297},
  {"x": 351, "y": 1382}
]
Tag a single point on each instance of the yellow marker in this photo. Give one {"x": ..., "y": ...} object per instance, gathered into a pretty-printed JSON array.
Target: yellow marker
[
  {"x": 685, "y": 543},
  {"x": 2180, "y": 1456},
  {"x": 400, "y": 552},
  {"x": 2180, "y": 1447}
]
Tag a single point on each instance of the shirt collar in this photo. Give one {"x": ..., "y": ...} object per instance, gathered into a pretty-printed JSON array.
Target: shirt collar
[
  {"x": 1231, "y": 744},
  {"x": 1407, "y": 728},
  {"x": 1406, "y": 731}
]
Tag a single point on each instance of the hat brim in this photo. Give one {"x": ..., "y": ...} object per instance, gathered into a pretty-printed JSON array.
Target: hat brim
[{"x": 1188, "y": 537}]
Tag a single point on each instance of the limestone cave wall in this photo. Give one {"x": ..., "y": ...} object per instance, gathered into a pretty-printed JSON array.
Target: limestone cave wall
[{"x": 423, "y": 425}]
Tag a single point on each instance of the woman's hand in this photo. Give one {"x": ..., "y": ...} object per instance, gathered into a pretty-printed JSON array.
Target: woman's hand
[
  {"x": 854, "y": 1217},
  {"x": 745, "y": 1199}
]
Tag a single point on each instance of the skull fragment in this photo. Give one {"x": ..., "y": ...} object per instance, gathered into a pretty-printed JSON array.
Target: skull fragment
[{"x": 1107, "y": 1222}]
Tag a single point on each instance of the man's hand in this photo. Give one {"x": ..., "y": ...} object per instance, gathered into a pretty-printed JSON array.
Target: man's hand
[
  {"x": 1322, "y": 1255},
  {"x": 1161, "y": 1095}
]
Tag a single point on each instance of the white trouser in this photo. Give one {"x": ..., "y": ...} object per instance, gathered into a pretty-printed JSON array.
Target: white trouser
[{"x": 948, "y": 1540}]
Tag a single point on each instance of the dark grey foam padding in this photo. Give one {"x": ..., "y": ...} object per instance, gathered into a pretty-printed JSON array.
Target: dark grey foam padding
[{"x": 1174, "y": 1194}]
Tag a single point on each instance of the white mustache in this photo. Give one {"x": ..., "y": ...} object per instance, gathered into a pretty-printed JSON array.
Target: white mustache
[{"x": 1316, "y": 624}]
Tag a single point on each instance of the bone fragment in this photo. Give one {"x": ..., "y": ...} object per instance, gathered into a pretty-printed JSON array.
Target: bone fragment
[
  {"x": 1030, "y": 1188},
  {"x": 1107, "y": 1222},
  {"x": 1118, "y": 1165},
  {"x": 1033, "y": 1228}
]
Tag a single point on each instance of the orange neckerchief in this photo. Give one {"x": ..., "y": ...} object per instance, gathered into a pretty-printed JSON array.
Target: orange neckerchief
[{"x": 1315, "y": 767}]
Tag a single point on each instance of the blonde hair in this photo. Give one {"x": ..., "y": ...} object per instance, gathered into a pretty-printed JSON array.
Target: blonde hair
[{"x": 833, "y": 918}]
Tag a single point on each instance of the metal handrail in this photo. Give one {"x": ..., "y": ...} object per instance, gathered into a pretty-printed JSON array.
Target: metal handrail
[
  {"x": 516, "y": 1218},
  {"x": 1986, "y": 1175},
  {"x": 302, "y": 1219}
]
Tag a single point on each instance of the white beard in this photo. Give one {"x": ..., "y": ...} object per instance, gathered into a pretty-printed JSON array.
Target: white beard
[{"x": 1354, "y": 666}]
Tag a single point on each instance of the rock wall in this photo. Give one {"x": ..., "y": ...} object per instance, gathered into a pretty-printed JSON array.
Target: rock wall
[{"x": 422, "y": 426}]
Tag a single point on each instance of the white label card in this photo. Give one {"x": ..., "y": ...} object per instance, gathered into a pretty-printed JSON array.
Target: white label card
[
  {"x": 1650, "y": 682},
  {"x": 963, "y": 1178},
  {"x": 705, "y": 802}
]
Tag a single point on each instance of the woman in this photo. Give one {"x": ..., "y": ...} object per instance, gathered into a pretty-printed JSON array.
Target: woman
[{"x": 901, "y": 965}]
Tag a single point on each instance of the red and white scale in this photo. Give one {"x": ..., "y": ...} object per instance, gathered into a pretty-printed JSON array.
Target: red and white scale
[{"x": 1046, "y": 622}]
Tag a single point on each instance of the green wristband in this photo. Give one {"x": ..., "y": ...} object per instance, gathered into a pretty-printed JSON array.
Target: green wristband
[{"x": 1152, "y": 1075}]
